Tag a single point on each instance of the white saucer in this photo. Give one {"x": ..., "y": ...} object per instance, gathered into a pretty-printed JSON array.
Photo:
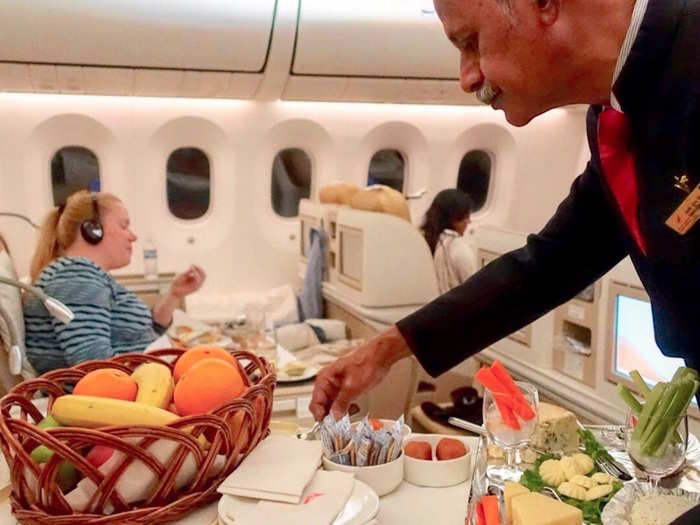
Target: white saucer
[
  {"x": 310, "y": 372},
  {"x": 362, "y": 506}
]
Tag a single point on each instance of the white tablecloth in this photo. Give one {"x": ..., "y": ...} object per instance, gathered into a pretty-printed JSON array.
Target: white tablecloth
[{"x": 407, "y": 505}]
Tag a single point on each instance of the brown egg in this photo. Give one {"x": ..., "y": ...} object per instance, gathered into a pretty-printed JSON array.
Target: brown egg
[
  {"x": 419, "y": 450},
  {"x": 449, "y": 448}
]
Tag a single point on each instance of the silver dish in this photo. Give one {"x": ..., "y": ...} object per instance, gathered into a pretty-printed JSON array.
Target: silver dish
[{"x": 619, "y": 507}]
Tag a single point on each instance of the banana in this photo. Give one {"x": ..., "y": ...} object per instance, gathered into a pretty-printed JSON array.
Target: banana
[
  {"x": 95, "y": 412},
  {"x": 155, "y": 384}
]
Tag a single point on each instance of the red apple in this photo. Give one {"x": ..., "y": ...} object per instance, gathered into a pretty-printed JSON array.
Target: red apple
[{"x": 98, "y": 455}]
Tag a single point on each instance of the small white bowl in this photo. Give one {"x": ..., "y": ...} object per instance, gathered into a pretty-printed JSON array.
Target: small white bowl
[
  {"x": 436, "y": 473},
  {"x": 382, "y": 478},
  {"x": 387, "y": 423}
]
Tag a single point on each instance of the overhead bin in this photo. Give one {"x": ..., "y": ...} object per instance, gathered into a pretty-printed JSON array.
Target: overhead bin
[
  {"x": 209, "y": 35},
  {"x": 373, "y": 38}
]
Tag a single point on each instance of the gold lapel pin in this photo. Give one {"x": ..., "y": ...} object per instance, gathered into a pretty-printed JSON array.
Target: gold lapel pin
[{"x": 682, "y": 183}]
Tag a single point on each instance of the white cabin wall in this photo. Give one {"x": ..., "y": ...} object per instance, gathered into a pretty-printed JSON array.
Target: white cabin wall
[{"x": 241, "y": 242}]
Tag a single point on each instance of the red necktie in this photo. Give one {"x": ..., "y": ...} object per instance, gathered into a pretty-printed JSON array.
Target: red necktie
[{"x": 618, "y": 168}]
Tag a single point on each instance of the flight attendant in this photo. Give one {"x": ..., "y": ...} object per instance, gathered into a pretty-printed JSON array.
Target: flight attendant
[{"x": 637, "y": 64}]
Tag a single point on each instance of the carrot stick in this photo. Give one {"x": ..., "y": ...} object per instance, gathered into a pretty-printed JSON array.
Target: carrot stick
[
  {"x": 503, "y": 399},
  {"x": 520, "y": 405},
  {"x": 490, "y": 506},
  {"x": 486, "y": 377},
  {"x": 480, "y": 514},
  {"x": 507, "y": 414}
]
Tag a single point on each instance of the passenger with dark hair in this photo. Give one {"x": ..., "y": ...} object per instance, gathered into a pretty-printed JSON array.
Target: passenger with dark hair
[{"x": 445, "y": 223}]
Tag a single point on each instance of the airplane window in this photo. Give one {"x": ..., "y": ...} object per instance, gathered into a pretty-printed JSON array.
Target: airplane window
[
  {"x": 73, "y": 168},
  {"x": 474, "y": 176},
  {"x": 291, "y": 181},
  {"x": 387, "y": 167},
  {"x": 188, "y": 183}
]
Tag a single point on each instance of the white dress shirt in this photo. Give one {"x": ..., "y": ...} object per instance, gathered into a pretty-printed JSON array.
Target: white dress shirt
[
  {"x": 454, "y": 259},
  {"x": 640, "y": 8}
]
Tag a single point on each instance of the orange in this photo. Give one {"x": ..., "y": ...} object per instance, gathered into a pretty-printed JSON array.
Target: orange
[
  {"x": 107, "y": 382},
  {"x": 196, "y": 354},
  {"x": 376, "y": 424},
  {"x": 206, "y": 386}
]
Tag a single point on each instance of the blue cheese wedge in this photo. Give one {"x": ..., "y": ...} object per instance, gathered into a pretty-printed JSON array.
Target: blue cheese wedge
[{"x": 556, "y": 430}]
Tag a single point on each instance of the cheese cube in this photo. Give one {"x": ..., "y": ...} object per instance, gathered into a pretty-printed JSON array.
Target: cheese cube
[
  {"x": 512, "y": 490},
  {"x": 556, "y": 430},
  {"x": 537, "y": 509}
]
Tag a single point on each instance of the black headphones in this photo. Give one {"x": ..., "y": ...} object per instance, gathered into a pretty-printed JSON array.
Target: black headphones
[{"x": 91, "y": 230}]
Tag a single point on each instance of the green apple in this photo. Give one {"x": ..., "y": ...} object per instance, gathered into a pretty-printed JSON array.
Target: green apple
[
  {"x": 67, "y": 475},
  {"x": 42, "y": 453}
]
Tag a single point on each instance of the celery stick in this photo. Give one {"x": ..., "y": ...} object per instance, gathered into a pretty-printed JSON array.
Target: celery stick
[
  {"x": 678, "y": 374},
  {"x": 629, "y": 399},
  {"x": 641, "y": 385},
  {"x": 684, "y": 373},
  {"x": 648, "y": 410},
  {"x": 672, "y": 389},
  {"x": 656, "y": 439},
  {"x": 677, "y": 411}
]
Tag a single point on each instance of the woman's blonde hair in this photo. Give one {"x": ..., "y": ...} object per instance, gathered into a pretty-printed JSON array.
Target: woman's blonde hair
[{"x": 61, "y": 226}]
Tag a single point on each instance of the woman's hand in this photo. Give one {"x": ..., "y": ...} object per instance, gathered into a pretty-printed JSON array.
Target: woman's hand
[{"x": 187, "y": 282}]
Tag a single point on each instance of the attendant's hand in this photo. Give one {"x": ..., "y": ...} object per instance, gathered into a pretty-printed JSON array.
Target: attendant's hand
[
  {"x": 187, "y": 282},
  {"x": 342, "y": 381}
]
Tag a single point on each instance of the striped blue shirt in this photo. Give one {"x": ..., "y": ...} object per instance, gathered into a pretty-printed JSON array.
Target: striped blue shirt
[{"x": 108, "y": 320}]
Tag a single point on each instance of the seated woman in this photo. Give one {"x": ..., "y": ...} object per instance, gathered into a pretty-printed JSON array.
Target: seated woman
[
  {"x": 79, "y": 243},
  {"x": 445, "y": 223}
]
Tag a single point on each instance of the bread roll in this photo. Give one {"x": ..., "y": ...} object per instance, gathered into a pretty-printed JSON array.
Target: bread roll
[
  {"x": 381, "y": 199},
  {"x": 337, "y": 193}
]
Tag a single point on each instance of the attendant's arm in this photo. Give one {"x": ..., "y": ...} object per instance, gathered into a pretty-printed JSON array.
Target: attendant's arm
[
  {"x": 579, "y": 244},
  {"x": 183, "y": 285},
  {"x": 88, "y": 335}
]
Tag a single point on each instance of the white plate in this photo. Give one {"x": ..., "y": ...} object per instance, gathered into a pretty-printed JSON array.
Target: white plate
[
  {"x": 283, "y": 377},
  {"x": 362, "y": 506}
]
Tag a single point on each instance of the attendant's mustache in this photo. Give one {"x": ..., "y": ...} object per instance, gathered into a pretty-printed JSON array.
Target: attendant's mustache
[{"x": 487, "y": 93}]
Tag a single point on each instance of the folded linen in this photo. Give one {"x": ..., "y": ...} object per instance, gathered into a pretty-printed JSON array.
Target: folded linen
[
  {"x": 322, "y": 501},
  {"x": 295, "y": 336},
  {"x": 333, "y": 329},
  {"x": 278, "y": 469}
]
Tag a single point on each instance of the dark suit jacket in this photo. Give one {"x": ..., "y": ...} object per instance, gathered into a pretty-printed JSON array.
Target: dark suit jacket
[{"x": 658, "y": 90}]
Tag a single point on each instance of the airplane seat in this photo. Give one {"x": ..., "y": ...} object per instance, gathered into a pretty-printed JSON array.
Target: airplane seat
[{"x": 11, "y": 312}]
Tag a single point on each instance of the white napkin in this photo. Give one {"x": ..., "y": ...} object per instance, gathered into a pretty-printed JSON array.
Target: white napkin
[
  {"x": 322, "y": 501},
  {"x": 278, "y": 469}
]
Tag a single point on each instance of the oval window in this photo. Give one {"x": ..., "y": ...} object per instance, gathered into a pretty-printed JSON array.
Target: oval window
[
  {"x": 291, "y": 181},
  {"x": 474, "y": 177},
  {"x": 73, "y": 168},
  {"x": 188, "y": 183},
  {"x": 387, "y": 167}
]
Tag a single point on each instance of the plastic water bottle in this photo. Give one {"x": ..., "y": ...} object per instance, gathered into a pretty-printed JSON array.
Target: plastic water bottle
[{"x": 150, "y": 259}]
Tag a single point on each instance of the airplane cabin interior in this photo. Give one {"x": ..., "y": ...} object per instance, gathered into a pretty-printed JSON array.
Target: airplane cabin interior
[{"x": 291, "y": 150}]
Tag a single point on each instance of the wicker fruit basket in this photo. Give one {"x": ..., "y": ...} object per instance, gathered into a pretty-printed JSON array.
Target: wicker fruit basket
[{"x": 213, "y": 445}]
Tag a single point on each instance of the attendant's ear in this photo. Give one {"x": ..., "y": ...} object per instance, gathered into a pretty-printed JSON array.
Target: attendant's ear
[{"x": 548, "y": 11}]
